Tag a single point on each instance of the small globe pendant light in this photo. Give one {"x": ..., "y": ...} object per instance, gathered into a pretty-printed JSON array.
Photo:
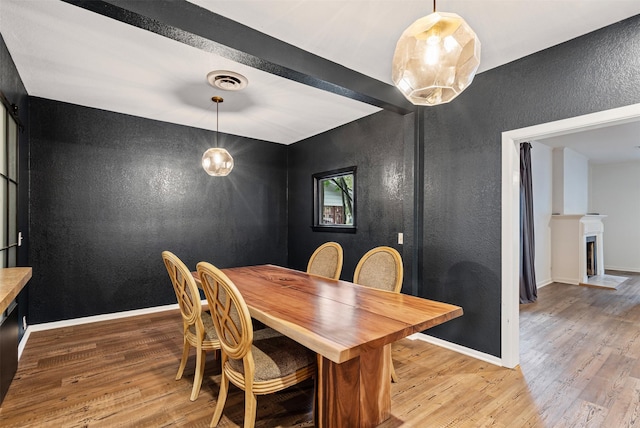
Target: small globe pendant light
[
  {"x": 217, "y": 161},
  {"x": 435, "y": 59}
]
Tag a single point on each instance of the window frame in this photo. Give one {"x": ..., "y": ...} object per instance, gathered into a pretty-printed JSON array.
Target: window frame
[
  {"x": 318, "y": 202},
  {"x": 9, "y": 182}
]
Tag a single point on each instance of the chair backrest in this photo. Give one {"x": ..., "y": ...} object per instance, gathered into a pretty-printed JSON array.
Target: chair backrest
[
  {"x": 380, "y": 268},
  {"x": 185, "y": 287},
  {"x": 326, "y": 261},
  {"x": 230, "y": 313}
]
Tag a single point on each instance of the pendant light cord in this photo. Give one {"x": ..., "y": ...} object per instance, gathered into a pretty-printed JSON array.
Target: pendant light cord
[
  {"x": 434, "y": 6},
  {"x": 217, "y": 100},
  {"x": 217, "y": 122}
]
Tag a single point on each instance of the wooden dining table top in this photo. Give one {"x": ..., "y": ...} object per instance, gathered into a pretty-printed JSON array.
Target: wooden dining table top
[{"x": 337, "y": 319}]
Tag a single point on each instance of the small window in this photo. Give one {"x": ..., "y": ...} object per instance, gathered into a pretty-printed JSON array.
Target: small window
[{"x": 334, "y": 200}]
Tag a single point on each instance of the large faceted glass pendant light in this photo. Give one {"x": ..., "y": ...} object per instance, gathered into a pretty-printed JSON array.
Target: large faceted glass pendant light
[
  {"x": 217, "y": 161},
  {"x": 436, "y": 58}
]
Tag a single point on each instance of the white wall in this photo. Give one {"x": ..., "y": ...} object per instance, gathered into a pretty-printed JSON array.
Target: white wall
[
  {"x": 541, "y": 171},
  {"x": 570, "y": 182},
  {"x": 557, "y": 174},
  {"x": 615, "y": 192},
  {"x": 576, "y": 182}
]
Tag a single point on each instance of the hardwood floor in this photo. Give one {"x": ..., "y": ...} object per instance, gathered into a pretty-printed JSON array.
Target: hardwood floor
[{"x": 580, "y": 367}]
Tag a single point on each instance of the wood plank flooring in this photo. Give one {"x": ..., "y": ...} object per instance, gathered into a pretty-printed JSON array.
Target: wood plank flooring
[{"x": 580, "y": 367}]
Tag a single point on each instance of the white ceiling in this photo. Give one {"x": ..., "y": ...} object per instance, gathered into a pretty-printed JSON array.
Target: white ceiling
[
  {"x": 64, "y": 52},
  {"x": 612, "y": 144}
]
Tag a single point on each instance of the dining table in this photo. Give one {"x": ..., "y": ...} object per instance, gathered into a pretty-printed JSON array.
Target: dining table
[{"x": 349, "y": 326}]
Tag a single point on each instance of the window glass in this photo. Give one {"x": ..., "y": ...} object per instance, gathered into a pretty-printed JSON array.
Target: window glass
[
  {"x": 337, "y": 200},
  {"x": 12, "y": 145},
  {"x": 3, "y": 213},
  {"x": 3, "y": 142},
  {"x": 12, "y": 238},
  {"x": 12, "y": 256}
]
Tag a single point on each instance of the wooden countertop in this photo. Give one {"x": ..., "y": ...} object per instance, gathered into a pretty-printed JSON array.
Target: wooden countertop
[{"x": 12, "y": 281}]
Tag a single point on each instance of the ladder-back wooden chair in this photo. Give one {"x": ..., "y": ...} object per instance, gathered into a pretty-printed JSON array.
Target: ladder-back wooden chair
[
  {"x": 258, "y": 362},
  {"x": 326, "y": 261},
  {"x": 381, "y": 268},
  {"x": 198, "y": 328}
]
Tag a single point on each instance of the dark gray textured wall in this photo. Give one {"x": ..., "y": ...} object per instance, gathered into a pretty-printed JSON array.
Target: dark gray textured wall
[
  {"x": 13, "y": 89},
  {"x": 110, "y": 192},
  {"x": 461, "y": 263},
  {"x": 376, "y": 146},
  {"x": 458, "y": 212}
]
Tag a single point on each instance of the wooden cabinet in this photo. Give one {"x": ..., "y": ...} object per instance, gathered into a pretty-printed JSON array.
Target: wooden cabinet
[
  {"x": 8, "y": 347},
  {"x": 12, "y": 281}
]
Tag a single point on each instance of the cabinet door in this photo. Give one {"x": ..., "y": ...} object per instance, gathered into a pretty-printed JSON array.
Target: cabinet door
[{"x": 8, "y": 349}]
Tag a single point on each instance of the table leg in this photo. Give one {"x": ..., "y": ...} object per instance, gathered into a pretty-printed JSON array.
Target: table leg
[{"x": 356, "y": 393}]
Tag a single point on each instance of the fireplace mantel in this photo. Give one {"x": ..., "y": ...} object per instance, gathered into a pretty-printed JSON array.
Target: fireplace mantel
[
  {"x": 569, "y": 246},
  {"x": 587, "y": 217}
]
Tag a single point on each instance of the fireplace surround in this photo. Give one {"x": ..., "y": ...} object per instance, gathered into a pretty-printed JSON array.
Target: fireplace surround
[{"x": 570, "y": 237}]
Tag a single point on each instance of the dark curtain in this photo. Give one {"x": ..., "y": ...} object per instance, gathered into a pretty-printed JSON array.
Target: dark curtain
[{"x": 528, "y": 289}]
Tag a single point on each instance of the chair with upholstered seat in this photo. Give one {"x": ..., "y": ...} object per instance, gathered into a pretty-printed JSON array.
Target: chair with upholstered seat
[
  {"x": 381, "y": 268},
  {"x": 258, "y": 362},
  {"x": 198, "y": 328},
  {"x": 326, "y": 261}
]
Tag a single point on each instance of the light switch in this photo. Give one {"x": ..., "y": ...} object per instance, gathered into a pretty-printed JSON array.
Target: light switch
[{"x": 400, "y": 238}]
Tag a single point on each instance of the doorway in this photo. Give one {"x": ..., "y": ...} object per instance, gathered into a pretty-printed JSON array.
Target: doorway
[{"x": 510, "y": 325}]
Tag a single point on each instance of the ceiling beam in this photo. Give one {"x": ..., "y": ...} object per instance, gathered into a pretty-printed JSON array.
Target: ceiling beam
[{"x": 192, "y": 25}]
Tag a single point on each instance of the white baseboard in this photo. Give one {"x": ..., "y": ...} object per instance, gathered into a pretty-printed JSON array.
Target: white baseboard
[
  {"x": 98, "y": 318},
  {"x": 571, "y": 281},
  {"x": 87, "y": 320},
  {"x": 543, "y": 283},
  {"x": 623, "y": 269},
  {"x": 457, "y": 348},
  {"x": 23, "y": 342}
]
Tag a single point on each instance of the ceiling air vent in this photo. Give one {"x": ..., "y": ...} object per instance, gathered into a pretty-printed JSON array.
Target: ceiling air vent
[{"x": 227, "y": 80}]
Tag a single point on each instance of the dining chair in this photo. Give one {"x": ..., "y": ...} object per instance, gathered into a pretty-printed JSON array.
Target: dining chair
[
  {"x": 198, "y": 328},
  {"x": 381, "y": 268},
  {"x": 326, "y": 261},
  {"x": 258, "y": 362}
]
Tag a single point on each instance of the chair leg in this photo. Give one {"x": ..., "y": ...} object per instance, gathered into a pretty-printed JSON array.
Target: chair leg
[
  {"x": 199, "y": 373},
  {"x": 250, "y": 405},
  {"x": 222, "y": 398},
  {"x": 185, "y": 357}
]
